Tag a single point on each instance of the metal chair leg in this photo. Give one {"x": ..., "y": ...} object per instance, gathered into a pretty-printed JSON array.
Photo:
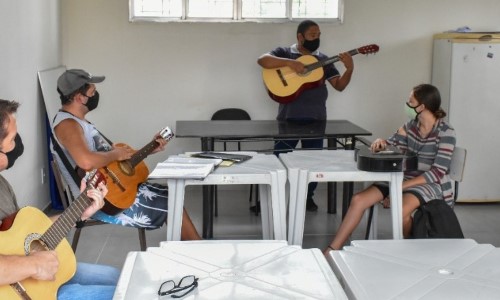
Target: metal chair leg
[
  {"x": 76, "y": 237},
  {"x": 216, "y": 202},
  {"x": 250, "y": 198},
  {"x": 142, "y": 238},
  {"x": 257, "y": 204}
]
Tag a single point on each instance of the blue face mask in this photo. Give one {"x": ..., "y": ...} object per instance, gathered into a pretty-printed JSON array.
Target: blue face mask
[{"x": 411, "y": 111}]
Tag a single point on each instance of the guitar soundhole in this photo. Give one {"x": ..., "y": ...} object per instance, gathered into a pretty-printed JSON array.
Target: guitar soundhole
[
  {"x": 126, "y": 168},
  {"x": 33, "y": 243}
]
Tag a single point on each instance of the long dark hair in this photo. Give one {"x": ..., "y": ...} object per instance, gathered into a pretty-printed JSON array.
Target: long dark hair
[{"x": 428, "y": 95}]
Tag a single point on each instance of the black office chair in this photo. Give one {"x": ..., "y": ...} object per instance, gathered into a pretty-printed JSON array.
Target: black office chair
[
  {"x": 233, "y": 114},
  {"x": 230, "y": 114}
]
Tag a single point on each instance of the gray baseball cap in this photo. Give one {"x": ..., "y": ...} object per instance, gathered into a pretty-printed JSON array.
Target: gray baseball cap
[{"x": 72, "y": 80}]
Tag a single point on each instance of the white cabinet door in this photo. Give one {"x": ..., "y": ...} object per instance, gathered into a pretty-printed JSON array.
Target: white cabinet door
[{"x": 474, "y": 112}]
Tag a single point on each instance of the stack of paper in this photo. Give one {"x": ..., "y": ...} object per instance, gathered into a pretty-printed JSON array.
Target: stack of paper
[{"x": 184, "y": 167}]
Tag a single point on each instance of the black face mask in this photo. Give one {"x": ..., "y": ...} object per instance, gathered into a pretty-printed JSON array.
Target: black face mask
[
  {"x": 93, "y": 101},
  {"x": 14, "y": 154},
  {"x": 311, "y": 45}
]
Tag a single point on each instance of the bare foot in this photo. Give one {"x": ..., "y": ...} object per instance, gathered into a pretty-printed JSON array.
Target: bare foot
[{"x": 386, "y": 203}]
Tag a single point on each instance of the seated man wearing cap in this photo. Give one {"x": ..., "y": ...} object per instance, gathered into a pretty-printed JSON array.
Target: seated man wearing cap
[
  {"x": 86, "y": 148},
  {"x": 96, "y": 282}
]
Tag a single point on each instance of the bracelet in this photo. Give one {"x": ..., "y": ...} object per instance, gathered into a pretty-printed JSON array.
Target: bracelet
[{"x": 331, "y": 248}]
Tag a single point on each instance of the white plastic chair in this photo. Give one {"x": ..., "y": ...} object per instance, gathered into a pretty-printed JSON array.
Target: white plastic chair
[
  {"x": 457, "y": 168},
  {"x": 67, "y": 199},
  {"x": 456, "y": 173}
]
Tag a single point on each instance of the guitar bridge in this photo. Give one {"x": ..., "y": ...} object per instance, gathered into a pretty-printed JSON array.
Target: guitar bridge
[
  {"x": 115, "y": 179},
  {"x": 281, "y": 77}
]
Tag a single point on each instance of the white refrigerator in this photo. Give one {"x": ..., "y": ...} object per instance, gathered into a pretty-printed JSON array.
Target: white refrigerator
[{"x": 466, "y": 69}]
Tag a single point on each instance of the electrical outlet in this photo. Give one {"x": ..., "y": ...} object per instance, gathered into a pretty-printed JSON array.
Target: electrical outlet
[{"x": 44, "y": 175}]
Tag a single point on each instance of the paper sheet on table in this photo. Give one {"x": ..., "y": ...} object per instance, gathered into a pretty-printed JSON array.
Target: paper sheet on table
[{"x": 185, "y": 167}]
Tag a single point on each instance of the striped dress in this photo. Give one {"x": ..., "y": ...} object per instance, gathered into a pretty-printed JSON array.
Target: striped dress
[{"x": 434, "y": 157}]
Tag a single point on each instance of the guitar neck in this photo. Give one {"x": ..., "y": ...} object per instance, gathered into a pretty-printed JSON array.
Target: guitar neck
[
  {"x": 61, "y": 227},
  {"x": 143, "y": 153},
  {"x": 328, "y": 61}
]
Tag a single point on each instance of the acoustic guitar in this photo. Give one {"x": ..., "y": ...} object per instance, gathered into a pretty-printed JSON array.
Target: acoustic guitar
[
  {"x": 124, "y": 177},
  {"x": 284, "y": 85},
  {"x": 31, "y": 230}
]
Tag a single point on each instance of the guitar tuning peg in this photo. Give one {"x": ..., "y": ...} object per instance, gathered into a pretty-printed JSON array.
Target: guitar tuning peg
[{"x": 167, "y": 133}]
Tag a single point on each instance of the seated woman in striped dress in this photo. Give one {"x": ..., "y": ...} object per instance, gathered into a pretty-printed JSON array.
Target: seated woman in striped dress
[{"x": 428, "y": 136}]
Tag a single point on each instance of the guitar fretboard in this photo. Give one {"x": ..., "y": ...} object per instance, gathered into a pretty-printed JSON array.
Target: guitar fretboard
[
  {"x": 61, "y": 227},
  {"x": 143, "y": 153},
  {"x": 57, "y": 231},
  {"x": 328, "y": 61},
  {"x": 140, "y": 155}
]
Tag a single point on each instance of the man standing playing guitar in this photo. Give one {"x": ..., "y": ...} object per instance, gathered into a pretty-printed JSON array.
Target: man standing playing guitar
[{"x": 310, "y": 104}]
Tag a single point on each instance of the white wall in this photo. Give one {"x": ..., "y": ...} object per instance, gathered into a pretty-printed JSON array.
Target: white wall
[
  {"x": 29, "y": 42},
  {"x": 158, "y": 73}
]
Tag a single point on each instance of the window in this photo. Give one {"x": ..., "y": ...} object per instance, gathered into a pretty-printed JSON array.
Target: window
[{"x": 235, "y": 10}]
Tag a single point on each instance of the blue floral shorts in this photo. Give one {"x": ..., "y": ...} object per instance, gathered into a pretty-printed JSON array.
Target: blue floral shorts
[{"x": 149, "y": 210}]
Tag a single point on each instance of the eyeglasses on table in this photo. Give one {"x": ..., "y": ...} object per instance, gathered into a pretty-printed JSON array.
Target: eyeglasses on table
[{"x": 184, "y": 287}]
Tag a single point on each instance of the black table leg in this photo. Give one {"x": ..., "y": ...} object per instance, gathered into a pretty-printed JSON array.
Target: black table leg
[
  {"x": 207, "y": 144},
  {"x": 332, "y": 186},
  {"x": 207, "y": 211}
]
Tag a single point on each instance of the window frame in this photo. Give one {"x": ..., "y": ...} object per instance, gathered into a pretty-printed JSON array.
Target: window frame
[{"x": 237, "y": 7}]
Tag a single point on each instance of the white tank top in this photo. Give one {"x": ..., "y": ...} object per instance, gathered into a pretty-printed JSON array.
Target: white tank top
[{"x": 95, "y": 142}]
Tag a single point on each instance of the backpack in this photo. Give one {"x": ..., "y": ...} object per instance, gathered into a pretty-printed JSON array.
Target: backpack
[{"x": 436, "y": 219}]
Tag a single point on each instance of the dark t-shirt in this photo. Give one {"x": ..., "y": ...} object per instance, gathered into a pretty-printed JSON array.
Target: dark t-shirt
[{"x": 311, "y": 103}]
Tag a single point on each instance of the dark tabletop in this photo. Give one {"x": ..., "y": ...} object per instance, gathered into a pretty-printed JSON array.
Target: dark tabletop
[{"x": 267, "y": 129}]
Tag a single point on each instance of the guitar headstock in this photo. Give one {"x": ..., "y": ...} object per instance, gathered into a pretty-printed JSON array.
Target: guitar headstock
[
  {"x": 368, "y": 49},
  {"x": 166, "y": 133},
  {"x": 94, "y": 177}
]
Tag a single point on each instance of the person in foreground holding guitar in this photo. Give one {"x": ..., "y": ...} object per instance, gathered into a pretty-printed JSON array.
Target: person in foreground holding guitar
[
  {"x": 91, "y": 281},
  {"x": 87, "y": 149},
  {"x": 426, "y": 135},
  {"x": 310, "y": 105}
]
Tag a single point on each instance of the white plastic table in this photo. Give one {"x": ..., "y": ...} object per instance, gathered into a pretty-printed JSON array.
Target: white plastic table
[
  {"x": 265, "y": 170},
  {"x": 332, "y": 165},
  {"x": 230, "y": 270},
  {"x": 418, "y": 269}
]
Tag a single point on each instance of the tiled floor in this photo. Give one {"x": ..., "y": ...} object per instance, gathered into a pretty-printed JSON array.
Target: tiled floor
[{"x": 109, "y": 244}]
